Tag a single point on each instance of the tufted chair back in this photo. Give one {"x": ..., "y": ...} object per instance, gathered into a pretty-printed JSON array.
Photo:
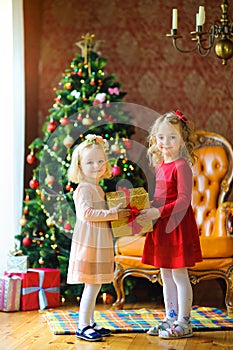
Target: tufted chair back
[{"x": 212, "y": 175}]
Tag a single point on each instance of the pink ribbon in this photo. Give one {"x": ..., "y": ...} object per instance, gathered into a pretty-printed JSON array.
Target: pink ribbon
[{"x": 113, "y": 91}]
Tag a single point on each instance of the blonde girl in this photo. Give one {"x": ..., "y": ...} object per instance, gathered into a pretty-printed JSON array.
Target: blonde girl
[
  {"x": 174, "y": 245},
  {"x": 91, "y": 256}
]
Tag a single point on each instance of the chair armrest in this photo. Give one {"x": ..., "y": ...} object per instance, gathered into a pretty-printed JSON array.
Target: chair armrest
[{"x": 224, "y": 220}]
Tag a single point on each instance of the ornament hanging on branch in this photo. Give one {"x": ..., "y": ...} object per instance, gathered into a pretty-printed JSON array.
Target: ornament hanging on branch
[
  {"x": 116, "y": 170},
  {"x": 115, "y": 148},
  {"x": 27, "y": 242},
  {"x": 31, "y": 157}
]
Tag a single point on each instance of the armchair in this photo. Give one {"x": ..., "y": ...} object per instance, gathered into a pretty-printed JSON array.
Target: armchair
[{"x": 213, "y": 175}]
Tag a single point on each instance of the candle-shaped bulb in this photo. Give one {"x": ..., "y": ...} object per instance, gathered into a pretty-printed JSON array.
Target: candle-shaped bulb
[
  {"x": 174, "y": 19},
  {"x": 197, "y": 20},
  {"x": 201, "y": 15}
]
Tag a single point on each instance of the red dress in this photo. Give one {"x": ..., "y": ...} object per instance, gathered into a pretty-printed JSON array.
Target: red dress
[{"x": 174, "y": 243}]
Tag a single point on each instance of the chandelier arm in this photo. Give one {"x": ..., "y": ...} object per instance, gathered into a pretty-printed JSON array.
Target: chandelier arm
[
  {"x": 200, "y": 38},
  {"x": 201, "y": 52},
  {"x": 220, "y": 31},
  {"x": 181, "y": 50}
]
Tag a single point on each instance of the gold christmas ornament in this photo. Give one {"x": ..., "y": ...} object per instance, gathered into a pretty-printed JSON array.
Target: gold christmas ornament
[
  {"x": 68, "y": 141},
  {"x": 87, "y": 121},
  {"x": 49, "y": 180},
  {"x": 50, "y": 222}
]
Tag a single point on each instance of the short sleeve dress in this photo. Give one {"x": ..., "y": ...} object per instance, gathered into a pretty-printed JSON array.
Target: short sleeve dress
[
  {"x": 174, "y": 242},
  {"x": 91, "y": 254}
]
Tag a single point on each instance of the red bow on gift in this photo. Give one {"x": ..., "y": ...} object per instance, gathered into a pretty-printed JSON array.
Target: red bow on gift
[{"x": 136, "y": 227}]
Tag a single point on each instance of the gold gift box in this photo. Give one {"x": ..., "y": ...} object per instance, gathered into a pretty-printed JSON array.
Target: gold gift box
[{"x": 135, "y": 197}]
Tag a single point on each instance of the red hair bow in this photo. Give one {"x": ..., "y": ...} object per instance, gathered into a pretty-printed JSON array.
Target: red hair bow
[{"x": 181, "y": 116}]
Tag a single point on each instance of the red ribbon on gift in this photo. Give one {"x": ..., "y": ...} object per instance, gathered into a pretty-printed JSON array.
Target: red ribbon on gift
[{"x": 136, "y": 227}]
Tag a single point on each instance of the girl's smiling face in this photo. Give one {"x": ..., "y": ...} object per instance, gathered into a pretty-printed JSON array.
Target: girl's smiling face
[
  {"x": 93, "y": 164},
  {"x": 169, "y": 141}
]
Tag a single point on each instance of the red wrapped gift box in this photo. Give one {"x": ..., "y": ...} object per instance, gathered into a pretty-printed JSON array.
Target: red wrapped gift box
[{"x": 40, "y": 288}]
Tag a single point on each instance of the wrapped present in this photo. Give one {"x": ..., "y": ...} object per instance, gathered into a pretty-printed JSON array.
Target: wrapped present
[
  {"x": 10, "y": 289},
  {"x": 40, "y": 289},
  {"x": 136, "y": 199},
  {"x": 17, "y": 264}
]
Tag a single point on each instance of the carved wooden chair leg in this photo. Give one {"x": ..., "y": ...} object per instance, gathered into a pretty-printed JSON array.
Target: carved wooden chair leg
[
  {"x": 229, "y": 291},
  {"x": 119, "y": 287}
]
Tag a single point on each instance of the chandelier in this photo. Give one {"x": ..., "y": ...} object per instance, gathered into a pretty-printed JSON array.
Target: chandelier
[{"x": 218, "y": 34}]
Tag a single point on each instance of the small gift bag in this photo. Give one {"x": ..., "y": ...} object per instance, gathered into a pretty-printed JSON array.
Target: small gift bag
[
  {"x": 10, "y": 289},
  {"x": 17, "y": 262},
  {"x": 136, "y": 199}
]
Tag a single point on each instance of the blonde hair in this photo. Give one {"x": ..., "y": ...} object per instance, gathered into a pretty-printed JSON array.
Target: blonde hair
[
  {"x": 186, "y": 129},
  {"x": 74, "y": 172}
]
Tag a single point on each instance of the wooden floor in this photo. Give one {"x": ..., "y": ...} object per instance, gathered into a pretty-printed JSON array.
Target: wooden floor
[{"x": 29, "y": 330}]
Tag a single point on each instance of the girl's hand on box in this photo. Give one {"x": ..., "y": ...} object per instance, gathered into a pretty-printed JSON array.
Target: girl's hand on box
[
  {"x": 149, "y": 214},
  {"x": 122, "y": 213}
]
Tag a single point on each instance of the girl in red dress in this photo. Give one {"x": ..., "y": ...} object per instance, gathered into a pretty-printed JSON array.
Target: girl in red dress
[{"x": 174, "y": 244}]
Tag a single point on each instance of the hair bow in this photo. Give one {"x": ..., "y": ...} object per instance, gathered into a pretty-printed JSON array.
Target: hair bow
[
  {"x": 181, "y": 116},
  {"x": 113, "y": 91},
  {"x": 92, "y": 138}
]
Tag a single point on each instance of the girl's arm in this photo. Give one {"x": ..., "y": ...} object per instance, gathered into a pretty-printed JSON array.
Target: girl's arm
[{"x": 85, "y": 209}]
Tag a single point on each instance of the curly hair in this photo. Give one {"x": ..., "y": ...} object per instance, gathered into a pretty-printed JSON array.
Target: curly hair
[{"x": 186, "y": 129}]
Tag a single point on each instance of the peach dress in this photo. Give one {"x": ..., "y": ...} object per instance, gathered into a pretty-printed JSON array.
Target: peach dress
[{"x": 92, "y": 254}]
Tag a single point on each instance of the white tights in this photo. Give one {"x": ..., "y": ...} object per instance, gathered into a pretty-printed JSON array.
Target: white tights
[
  {"x": 87, "y": 305},
  {"x": 177, "y": 293}
]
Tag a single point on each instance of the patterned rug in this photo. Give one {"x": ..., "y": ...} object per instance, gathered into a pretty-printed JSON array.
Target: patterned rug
[{"x": 124, "y": 321}]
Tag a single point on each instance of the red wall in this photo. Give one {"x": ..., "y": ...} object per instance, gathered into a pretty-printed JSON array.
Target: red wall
[{"x": 152, "y": 72}]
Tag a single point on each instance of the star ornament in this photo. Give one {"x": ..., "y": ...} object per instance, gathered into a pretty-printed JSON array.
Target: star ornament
[{"x": 88, "y": 44}]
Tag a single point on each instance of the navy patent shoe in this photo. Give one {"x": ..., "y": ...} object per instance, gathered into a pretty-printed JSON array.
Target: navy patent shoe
[
  {"x": 104, "y": 332},
  {"x": 89, "y": 336}
]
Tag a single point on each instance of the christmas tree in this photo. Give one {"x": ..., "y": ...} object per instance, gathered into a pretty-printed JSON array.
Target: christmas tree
[{"x": 87, "y": 100}]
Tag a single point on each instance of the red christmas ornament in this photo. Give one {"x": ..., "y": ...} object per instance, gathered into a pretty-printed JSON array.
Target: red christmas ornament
[
  {"x": 27, "y": 241},
  {"x": 55, "y": 147},
  {"x": 69, "y": 187},
  {"x": 92, "y": 82},
  {"x": 127, "y": 143},
  {"x": 31, "y": 158},
  {"x": 67, "y": 226},
  {"x": 116, "y": 170},
  {"x": 34, "y": 183},
  {"x": 64, "y": 121},
  {"x": 51, "y": 126},
  {"x": 26, "y": 211},
  {"x": 27, "y": 198},
  {"x": 80, "y": 73}
]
